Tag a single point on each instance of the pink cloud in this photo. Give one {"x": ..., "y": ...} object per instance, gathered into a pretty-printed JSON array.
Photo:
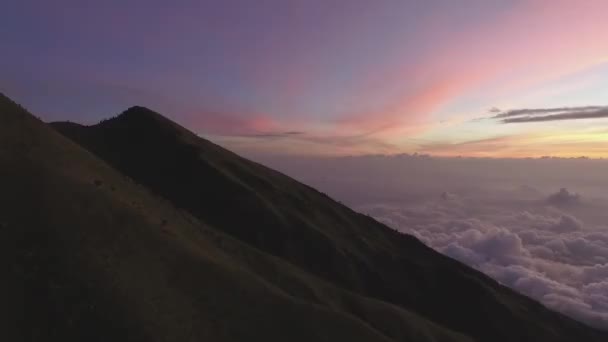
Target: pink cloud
[
  {"x": 228, "y": 124},
  {"x": 410, "y": 115}
]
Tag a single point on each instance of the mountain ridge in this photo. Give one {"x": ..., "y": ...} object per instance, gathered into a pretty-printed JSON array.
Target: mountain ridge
[
  {"x": 103, "y": 259},
  {"x": 309, "y": 230}
]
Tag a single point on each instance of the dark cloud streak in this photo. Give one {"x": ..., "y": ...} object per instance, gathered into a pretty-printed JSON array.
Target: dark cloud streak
[
  {"x": 536, "y": 111},
  {"x": 572, "y": 115},
  {"x": 548, "y": 114},
  {"x": 274, "y": 134}
]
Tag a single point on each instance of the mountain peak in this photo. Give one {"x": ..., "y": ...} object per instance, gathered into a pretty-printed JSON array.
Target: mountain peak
[
  {"x": 140, "y": 119},
  {"x": 138, "y": 113},
  {"x": 138, "y": 110}
]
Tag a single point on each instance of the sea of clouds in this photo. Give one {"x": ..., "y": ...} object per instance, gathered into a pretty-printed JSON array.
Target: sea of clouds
[{"x": 538, "y": 226}]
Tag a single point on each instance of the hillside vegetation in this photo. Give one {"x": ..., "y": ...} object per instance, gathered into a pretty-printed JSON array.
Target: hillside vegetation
[{"x": 88, "y": 255}]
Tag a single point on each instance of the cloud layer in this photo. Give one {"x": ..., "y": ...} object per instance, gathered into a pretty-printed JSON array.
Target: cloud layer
[
  {"x": 537, "y": 226},
  {"x": 542, "y": 252}
]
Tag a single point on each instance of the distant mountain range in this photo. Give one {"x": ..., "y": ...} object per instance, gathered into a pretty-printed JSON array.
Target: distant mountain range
[{"x": 136, "y": 229}]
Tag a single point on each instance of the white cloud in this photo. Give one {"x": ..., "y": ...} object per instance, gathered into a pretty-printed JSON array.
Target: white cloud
[{"x": 541, "y": 252}]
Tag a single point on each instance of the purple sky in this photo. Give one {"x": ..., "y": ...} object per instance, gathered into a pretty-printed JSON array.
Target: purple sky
[{"x": 350, "y": 76}]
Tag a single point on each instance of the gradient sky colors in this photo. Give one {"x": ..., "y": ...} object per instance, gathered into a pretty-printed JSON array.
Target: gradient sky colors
[{"x": 321, "y": 76}]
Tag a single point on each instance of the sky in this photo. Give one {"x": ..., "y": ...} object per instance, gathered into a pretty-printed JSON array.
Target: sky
[{"x": 519, "y": 78}]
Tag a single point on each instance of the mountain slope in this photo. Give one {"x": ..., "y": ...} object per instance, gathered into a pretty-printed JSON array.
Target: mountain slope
[
  {"x": 296, "y": 223},
  {"x": 87, "y": 255}
]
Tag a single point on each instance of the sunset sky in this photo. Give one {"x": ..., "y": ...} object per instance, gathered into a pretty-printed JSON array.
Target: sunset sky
[{"x": 518, "y": 78}]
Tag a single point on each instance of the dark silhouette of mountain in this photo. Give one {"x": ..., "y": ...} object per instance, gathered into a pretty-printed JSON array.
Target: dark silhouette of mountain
[
  {"x": 330, "y": 256},
  {"x": 88, "y": 255}
]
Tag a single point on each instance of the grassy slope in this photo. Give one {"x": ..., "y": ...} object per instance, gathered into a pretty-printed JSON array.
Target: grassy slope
[
  {"x": 89, "y": 255},
  {"x": 294, "y": 222}
]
